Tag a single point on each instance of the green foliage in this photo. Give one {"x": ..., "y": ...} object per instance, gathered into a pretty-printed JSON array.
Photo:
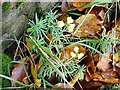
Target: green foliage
[
  {"x": 110, "y": 87},
  {"x": 5, "y": 60},
  {"x": 5, "y": 6},
  {"x": 51, "y": 64}
]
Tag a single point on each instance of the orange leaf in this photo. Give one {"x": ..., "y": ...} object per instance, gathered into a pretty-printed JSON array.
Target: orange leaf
[
  {"x": 79, "y": 3},
  {"x": 48, "y": 38},
  {"x": 104, "y": 63},
  {"x": 111, "y": 80},
  {"x": 67, "y": 51},
  {"x": 90, "y": 27}
]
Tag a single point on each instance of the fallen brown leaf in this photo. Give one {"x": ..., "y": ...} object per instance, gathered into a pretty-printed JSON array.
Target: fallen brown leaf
[
  {"x": 79, "y": 3},
  {"x": 111, "y": 80},
  {"x": 92, "y": 85},
  {"x": 63, "y": 86},
  {"x": 109, "y": 73},
  {"x": 116, "y": 68},
  {"x": 18, "y": 73},
  {"x": 91, "y": 26},
  {"x": 66, "y": 53},
  {"x": 65, "y": 6},
  {"x": 104, "y": 62}
]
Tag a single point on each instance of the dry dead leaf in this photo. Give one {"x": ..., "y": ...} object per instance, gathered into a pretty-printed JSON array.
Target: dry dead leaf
[
  {"x": 109, "y": 73},
  {"x": 66, "y": 53},
  {"x": 87, "y": 60},
  {"x": 18, "y": 73},
  {"x": 116, "y": 68},
  {"x": 79, "y": 3},
  {"x": 104, "y": 62},
  {"x": 65, "y": 6},
  {"x": 48, "y": 38},
  {"x": 63, "y": 85},
  {"x": 91, "y": 26},
  {"x": 92, "y": 85},
  {"x": 96, "y": 57},
  {"x": 117, "y": 48},
  {"x": 25, "y": 80},
  {"x": 98, "y": 11},
  {"x": 88, "y": 75},
  {"x": 110, "y": 80},
  {"x": 118, "y": 25}
]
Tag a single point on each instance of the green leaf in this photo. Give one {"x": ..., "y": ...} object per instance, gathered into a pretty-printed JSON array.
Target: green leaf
[
  {"x": 29, "y": 41},
  {"x": 29, "y": 30},
  {"x": 81, "y": 75}
]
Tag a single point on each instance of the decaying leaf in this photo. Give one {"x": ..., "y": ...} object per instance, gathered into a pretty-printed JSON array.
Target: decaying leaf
[
  {"x": 116, "y": 68},
  {"x": 78, "y": 76},
  {"x": 48, "y": 38},
  {"x": 104, "y": 62},
  {"x": 79, "y": 3},
  {"x": 65, "y": 5},
  {"x": 87, "y": 60},
  {"x": 98, "y": 11},
  {"x": 89, "y": 75},
  {"x": 118, "y": 25},
  {"x": 18, "y": 73},
  {"x": 90, "y": 27},
  {"x": 69, "y": 51},
  {"x": 92, "y": 85},
  {"x": 109, "y": 73},
  {"x": 111, "y": 80},
  {"x": 63, "y": 85}
]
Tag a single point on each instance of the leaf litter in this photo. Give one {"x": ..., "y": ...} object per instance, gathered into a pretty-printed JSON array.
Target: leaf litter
[{"x": 63, "y": 60}]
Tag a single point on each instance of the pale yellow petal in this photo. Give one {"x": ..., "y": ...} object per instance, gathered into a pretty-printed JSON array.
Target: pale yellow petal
[
  {"x": 60, "y": 23},
  {"x": 80, "y": 55},
  {"x": 69, "y": 20},
  {"x": 72, "y": 54},
  {"x": 76, "y": 49},
  {"x": 71, "y": 27}
]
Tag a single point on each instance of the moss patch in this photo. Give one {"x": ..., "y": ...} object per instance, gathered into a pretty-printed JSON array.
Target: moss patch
[
  {"x": 5, "y": 60},
  {"x": 5, "y": 6}
]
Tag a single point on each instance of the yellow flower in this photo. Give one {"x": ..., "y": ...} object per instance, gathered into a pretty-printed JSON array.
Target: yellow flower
[
  {"x": 80, "y": 55},
  {"x": 69, "y": 20},
  {"x": 71, "y": 27},
  {"x": 72, "y": 54},
  {"x": 76, "y": 49},
  {"x": 60, "y": 23}
]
